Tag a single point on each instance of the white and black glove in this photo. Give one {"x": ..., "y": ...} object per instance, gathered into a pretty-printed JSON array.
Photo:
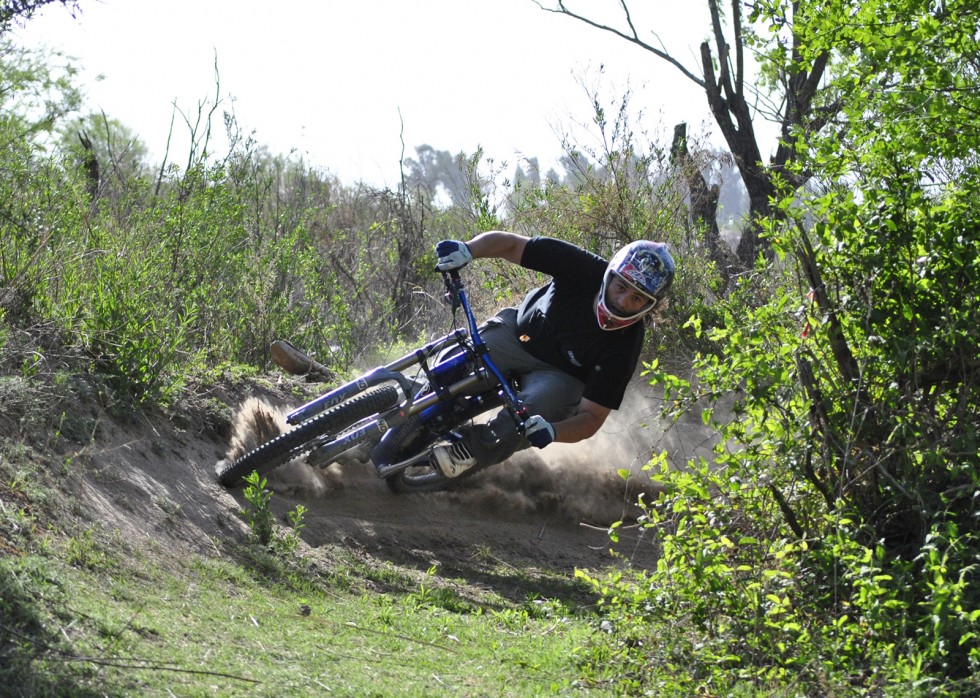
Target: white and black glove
[
  {"x": 452, "y": 255},
  {"x": 538, "y": 431}
]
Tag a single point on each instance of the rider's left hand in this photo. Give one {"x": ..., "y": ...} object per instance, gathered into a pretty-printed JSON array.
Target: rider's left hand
[
  {"x": 539, "y": 431},
  {"x": 452, "y": 255}
]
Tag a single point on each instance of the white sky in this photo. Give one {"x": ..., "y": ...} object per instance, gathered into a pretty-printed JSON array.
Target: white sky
[{"x": 328, "y": 78}]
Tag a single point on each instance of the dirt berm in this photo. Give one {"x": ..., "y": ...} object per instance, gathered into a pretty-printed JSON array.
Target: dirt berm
[{"x": 153, "y": 480}]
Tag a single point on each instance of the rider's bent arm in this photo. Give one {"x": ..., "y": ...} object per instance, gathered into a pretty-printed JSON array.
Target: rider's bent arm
[
  {"x": 587, "y": 420},
  {"x": 499, "y": 244}
]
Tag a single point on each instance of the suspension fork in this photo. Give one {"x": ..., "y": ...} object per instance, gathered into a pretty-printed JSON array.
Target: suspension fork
[{"x": 456, "y": 294}]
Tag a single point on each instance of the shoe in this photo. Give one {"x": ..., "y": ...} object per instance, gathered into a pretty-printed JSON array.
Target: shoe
[{"x": 453, "y": 461}]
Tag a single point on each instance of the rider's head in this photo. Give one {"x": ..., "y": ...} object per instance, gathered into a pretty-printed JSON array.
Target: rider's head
[{"x": 637, "y": 278}]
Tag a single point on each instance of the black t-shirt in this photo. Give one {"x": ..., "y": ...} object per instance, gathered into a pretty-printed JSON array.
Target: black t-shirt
[{"x": 557, "y": 322}]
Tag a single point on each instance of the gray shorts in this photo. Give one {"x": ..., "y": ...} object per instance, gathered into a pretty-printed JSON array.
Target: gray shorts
[{"x": 545, "y": 390}]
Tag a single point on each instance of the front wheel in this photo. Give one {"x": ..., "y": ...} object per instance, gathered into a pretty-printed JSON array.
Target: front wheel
[{"x": 284, "y": 447}]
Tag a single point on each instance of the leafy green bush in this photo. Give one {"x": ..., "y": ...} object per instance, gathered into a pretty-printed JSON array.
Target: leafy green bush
[
  {"x": 831, "y": 544},
  {"x": 792, "y": 554}
]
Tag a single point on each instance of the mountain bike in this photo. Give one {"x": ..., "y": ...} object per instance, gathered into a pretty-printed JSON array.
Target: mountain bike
[{"x": 405, "y": 409}]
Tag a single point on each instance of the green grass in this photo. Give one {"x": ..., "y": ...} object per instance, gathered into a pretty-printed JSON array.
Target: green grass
[
  {"x": 85, "y": 612},
  {"x": 88, "y": 610},
  {"x": 92, "y": 616}
]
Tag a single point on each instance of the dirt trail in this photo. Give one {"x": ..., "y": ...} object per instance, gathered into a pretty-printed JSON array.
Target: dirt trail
[{"x": 154, "y": 481}]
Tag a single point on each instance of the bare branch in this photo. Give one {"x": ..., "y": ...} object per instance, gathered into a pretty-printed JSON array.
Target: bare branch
[
  {"x": 632, "y": 37},
  {"x": 721, "y": 46}
]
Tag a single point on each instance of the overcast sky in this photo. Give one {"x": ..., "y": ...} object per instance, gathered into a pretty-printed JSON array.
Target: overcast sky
[{"x": 339, "y": 80}]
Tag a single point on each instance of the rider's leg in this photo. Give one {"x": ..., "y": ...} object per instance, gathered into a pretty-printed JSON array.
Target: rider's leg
[{"x": 545, "y": 391}]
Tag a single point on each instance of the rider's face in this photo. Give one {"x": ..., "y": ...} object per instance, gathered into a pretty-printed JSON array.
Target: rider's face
[{"x": 623, "y": 299}]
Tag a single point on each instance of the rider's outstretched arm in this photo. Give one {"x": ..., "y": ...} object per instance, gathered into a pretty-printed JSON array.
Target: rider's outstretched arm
[
  {"x": 454, "y": 254},
  {"x": 499, "y": 244}
]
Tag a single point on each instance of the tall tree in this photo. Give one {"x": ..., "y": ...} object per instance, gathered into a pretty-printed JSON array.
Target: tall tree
[{"x": 788, "y": 66}]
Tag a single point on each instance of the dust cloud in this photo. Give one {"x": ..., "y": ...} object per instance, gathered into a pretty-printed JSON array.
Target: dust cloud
[
  {"x": 258, "y": 421},
  {"x": 596, "y": 482}
]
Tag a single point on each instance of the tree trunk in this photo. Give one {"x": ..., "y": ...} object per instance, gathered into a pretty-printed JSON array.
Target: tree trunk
[{"x": 703, "y": 204}]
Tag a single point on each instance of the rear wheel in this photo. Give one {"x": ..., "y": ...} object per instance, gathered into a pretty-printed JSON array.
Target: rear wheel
[
  {"x": 417, "y": 479},
  {"x": 423, "y": 476},
  {"x": 284, "y": 447}
]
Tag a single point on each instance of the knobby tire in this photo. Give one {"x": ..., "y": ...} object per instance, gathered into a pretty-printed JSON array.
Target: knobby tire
[{"x": 284, "y": 447}]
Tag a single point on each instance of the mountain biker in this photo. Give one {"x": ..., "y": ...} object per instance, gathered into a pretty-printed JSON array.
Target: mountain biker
[{"x": 574, "y": 342}]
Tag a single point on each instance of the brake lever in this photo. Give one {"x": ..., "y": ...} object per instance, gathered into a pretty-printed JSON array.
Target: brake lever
[{"x": 453, "y": 285}]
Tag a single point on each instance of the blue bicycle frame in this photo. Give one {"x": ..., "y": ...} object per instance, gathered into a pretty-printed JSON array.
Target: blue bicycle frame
[{"x": 468, "y": 371}]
